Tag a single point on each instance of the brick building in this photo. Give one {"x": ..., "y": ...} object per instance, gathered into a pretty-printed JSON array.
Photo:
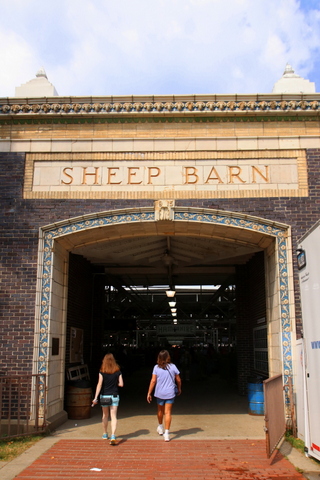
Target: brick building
[{"x": 107, "y": 202}]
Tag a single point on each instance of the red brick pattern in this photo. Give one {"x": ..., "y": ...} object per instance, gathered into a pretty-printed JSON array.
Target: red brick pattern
[
  {"x": 158, "y": 460},
  {"x": 20, "y": 220}
]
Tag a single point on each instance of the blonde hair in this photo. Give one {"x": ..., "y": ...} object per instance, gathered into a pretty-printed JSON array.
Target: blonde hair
[{"x": 109, "y": 364}]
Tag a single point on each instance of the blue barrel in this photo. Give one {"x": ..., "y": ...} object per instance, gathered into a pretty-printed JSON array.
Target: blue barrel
[{"x": 256, "y": 397}]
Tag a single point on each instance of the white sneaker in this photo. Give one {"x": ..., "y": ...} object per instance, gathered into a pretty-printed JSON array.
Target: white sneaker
[
  {"x": 160, "y": 429},
  {"x": 166, "y": 437}
]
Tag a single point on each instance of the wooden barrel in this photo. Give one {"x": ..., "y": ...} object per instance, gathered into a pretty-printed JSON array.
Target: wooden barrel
[{"x": 78, "y": 403}]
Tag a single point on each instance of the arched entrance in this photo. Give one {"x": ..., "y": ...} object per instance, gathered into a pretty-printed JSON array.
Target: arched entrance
[{"x": 166, "y": 220}]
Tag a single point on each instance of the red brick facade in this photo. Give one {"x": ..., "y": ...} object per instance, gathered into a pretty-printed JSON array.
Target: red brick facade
[{"x": 21, "y": 220}]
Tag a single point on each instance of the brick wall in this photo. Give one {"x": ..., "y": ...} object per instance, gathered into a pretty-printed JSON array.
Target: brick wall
[{"x": 21, "y": 219}]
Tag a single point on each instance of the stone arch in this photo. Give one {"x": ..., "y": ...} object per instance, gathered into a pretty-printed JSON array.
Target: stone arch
[{"x": 149, "y": 219}]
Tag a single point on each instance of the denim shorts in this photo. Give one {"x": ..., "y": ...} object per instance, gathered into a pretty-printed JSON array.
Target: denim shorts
[
  {"x": 162, "y": 401},
  {"x": 115, "y": 399}
]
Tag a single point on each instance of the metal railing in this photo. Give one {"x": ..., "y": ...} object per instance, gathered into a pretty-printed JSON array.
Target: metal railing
[{"x": 22, "y": 405}]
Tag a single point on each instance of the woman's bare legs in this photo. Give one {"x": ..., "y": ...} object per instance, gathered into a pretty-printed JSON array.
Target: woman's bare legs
[
  {"x": 105, "y": 418},
  {"x": 114, "y": 420},
  {"x": 165, "y": 410},
  {"x": 160, "y": 414},
  {"x": 168, "y": 415}
]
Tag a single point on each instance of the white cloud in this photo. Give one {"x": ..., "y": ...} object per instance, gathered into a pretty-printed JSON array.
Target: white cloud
[
  {"x": 102, "y": 47},
  {"x": 18, "y": 58}
]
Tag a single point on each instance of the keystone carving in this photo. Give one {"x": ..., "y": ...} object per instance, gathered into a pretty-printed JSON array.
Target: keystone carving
[{"x": 164, "y": 210}]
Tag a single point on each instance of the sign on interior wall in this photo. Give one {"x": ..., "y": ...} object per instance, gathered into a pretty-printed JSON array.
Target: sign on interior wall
[{"x": 76, "y": 345}]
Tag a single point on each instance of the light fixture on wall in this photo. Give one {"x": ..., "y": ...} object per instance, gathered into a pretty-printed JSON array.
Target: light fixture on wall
[{"x": 301, "y": 258}]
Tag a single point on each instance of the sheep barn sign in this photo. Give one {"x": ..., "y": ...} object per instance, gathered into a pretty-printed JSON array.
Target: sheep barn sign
[{"x": 125, "y": 175}]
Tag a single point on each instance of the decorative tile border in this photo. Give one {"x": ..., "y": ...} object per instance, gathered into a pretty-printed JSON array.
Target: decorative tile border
[{"x": 180, "y": 215}]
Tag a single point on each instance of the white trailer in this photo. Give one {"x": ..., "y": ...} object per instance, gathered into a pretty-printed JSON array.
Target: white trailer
[{"x": 308, "y": 255}]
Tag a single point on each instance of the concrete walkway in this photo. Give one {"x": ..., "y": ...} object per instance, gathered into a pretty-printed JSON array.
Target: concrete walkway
[{"x": 212, "y": 436}]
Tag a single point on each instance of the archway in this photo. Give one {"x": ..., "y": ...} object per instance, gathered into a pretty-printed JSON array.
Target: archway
[{"x": 58, "y": 240}]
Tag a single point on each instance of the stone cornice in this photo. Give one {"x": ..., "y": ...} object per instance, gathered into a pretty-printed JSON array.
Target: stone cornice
[{"x": 197, "y": 105}]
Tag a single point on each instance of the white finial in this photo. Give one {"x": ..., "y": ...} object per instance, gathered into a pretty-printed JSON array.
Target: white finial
[
  {"x": 288, "y": 69},
  {"x": 41, "y": 73},
  {"x": 290, "y": 82},
  {"x": 37, "y": 87}
]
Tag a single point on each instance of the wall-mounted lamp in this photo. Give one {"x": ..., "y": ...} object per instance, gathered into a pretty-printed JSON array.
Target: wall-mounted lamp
[{"x": 301, "y": 258}]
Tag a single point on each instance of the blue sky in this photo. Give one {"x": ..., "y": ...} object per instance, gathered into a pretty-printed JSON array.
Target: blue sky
[{"x": 158, "y": 47}]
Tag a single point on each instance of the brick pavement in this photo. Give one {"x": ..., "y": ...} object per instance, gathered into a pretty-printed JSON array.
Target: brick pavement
[{"x": 159, "y": 460}]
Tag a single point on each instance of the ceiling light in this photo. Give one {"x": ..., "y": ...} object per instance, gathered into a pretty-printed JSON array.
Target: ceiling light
[
  {"x": 173, "y": 310},
  {"x": 170, "y": 293},
  {"x": 172, "y": 304},
  {"x": 174, "y": 314}
]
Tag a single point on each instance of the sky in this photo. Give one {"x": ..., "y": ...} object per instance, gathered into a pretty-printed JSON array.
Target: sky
[{"x": 158, "y": 47}]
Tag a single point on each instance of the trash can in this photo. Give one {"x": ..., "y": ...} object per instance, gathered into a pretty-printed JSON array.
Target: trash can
[
  {"x": 79, "y": 399},
  {"x": 255, "y": 396}
]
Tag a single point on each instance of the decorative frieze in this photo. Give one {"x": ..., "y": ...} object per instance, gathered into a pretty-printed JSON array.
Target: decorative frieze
[{"x": 125, "y": 107}]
